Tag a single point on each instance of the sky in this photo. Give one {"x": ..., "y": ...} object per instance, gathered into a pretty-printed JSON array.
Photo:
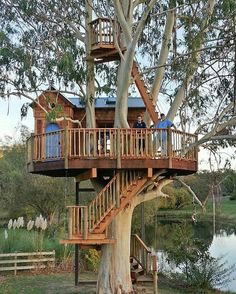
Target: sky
[
  {"x": 10, "y": 121},
  {"x": 10, "y": 118}
]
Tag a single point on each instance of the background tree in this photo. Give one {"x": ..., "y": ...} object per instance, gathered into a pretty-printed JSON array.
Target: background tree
[{"x": 27, "y": 194}]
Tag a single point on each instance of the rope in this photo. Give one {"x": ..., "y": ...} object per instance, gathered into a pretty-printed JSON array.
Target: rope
[{"x": 194, "y": 214}]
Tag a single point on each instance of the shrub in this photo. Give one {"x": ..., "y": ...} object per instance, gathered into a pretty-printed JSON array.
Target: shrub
[
  {"x": 90, "y": 259},
  {"x": 233, "y": 195},
  {"x": 195, "y": 266}
]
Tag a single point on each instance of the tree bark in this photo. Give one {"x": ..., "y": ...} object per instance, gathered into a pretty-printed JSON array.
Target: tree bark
[
  {"x": 90, "y": 88},
  {"x": 114, "y": 270},
  {"x": 163, "y": 55}
]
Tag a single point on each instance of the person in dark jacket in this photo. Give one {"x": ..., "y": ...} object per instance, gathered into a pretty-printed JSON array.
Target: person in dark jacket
[{"x": 140, "y": 124}]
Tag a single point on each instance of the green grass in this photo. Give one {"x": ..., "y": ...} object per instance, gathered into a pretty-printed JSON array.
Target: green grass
[
  {"x": 225, "y": 211},
  {"x": 228, "y": 208},
  {"x": 64, "y": 284},
  {"x": 21, "y": 240},
  {"x": 52, "y": 283}
]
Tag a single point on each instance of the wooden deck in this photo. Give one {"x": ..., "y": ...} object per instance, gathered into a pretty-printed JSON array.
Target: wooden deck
[{"x": 73, "y": 151}]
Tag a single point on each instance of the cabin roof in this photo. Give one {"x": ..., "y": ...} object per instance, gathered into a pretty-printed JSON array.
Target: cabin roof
[
  {"x": 108, "y": 102},
  {"x": 100, "y": 102}
]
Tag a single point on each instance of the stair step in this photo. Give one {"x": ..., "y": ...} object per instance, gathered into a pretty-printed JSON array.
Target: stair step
[
  {"x": 144, "y": 278},
  {"x": 137, "y": 270}
]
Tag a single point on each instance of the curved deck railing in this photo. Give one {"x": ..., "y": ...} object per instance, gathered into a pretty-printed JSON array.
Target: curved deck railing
[{"x": 112, "y": 143}]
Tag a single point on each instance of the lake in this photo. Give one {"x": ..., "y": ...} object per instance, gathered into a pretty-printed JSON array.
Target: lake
[
  {"x": 226, "y": 245},
  {"x": 219, "y": 240}
]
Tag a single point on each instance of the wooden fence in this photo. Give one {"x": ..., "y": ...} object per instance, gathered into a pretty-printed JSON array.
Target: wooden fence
[{"x": 26, "y": 261}]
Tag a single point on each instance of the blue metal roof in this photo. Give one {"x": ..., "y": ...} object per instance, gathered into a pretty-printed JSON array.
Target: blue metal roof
[{"x": 108, "y": 102}]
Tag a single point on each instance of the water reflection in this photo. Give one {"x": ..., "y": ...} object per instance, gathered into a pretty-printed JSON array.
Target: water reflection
[
  {"x": 160, "y": 235},
  {"x": 225, "y": 244}
]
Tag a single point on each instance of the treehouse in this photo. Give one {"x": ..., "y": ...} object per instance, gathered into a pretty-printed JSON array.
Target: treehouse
[
  {"x": 73, "y": 109},
  {"x": 124, "y": 159}
]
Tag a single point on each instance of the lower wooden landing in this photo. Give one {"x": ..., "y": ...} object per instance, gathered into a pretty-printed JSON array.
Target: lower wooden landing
[{"x": 88, "y": 241}]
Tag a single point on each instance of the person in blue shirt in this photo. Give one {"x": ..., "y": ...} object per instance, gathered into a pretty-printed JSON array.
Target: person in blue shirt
[{"x": 161, "y": 138}]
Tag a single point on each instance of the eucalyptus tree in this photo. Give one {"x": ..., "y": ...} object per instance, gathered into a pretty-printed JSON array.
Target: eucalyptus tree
[{"x": 186, "y": 51}]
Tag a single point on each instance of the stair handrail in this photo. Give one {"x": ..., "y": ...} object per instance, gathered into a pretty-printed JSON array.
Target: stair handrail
[
  {"x": 93, "y": 218},
  {"x": 125, "y": 178},
  {"x": 142, "y": 253},
  {"x": 147, "y": 84}
]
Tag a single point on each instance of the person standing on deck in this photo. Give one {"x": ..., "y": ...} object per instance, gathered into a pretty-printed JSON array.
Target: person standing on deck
[
  {"x": 161, "y": 141},
  {"x": 140, "y": 124}
]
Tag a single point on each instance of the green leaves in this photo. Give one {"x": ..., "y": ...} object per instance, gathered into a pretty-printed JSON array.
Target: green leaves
[{"x": 23, "y": 193}]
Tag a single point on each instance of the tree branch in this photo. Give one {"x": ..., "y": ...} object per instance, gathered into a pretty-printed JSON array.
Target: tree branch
[
  {"x": 191, "y": 192},
  {"x": 180, "y": 96},
  {"x": 163, "y": 55},
  {"x": 122, "y": 21}
]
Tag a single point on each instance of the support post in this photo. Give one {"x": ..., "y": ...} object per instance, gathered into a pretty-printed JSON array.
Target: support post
[
  {"x": 77, "y": 200},
  {"x": 169, "y": 146},
  {"x": 154, "y": 265},
  {"x": 66, "y": 147}
]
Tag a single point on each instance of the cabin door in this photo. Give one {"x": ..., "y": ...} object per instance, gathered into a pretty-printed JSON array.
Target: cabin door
[{"x": 53, "y": 148}]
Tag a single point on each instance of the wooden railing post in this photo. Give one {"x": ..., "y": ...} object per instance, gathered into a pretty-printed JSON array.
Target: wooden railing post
[
  {"x": 70, "y": 223},
  {"x": 30, "y": 149},
  {"x": 118, "y": 148},
  {"x": 15, "y": 264},
  {"x": 100, "y": 31},
  {"x": 169, "y": 146},
  {"x": 196, "y": 149},
  {"x": 154, "y": 269},
  {"x": 117, "y": 190},
  {"x": 85, "y": 227},
  {"x": 66, "y": 149}
]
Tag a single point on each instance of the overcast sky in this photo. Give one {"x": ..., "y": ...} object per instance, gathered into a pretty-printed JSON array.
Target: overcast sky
[{"x": 10, "y": 117}]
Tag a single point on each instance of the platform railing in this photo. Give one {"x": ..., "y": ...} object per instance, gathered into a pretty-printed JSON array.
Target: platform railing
[
  {"x": 102, "y": 32},
  {"x": 111, "y": 143}
]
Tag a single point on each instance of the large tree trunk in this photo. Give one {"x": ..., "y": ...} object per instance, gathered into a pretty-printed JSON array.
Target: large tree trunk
[
  {"x": 123, "y": 83},
  {"x": 90, "y": 88},
  {"x": 114, "y": 271}
]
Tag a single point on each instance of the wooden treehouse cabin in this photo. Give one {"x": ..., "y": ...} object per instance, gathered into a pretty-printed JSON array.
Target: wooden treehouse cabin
[{"x": 125, "y": 158}]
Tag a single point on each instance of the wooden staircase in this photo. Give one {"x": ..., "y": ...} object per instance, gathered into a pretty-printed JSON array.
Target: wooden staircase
[
  {"x": 145, "y": 93},
  {"x": 143, "y": 263},
  {"x": 88, "y": 224}
]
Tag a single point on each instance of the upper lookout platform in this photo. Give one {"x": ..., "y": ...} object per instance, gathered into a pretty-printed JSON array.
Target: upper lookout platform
[
  {"x": 70, "y": 152},
  {"x": 105, "y": 36}
]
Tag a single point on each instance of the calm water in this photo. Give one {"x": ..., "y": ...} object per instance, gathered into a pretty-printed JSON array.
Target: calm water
[
  {"x": 219, "y": 240},
  {"x": 226, "y": 245}
]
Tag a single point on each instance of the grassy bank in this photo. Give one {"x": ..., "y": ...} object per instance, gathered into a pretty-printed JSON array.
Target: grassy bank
[
  {"x": 225, "y": 211},
  {"x": 63, "y": 283}
]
